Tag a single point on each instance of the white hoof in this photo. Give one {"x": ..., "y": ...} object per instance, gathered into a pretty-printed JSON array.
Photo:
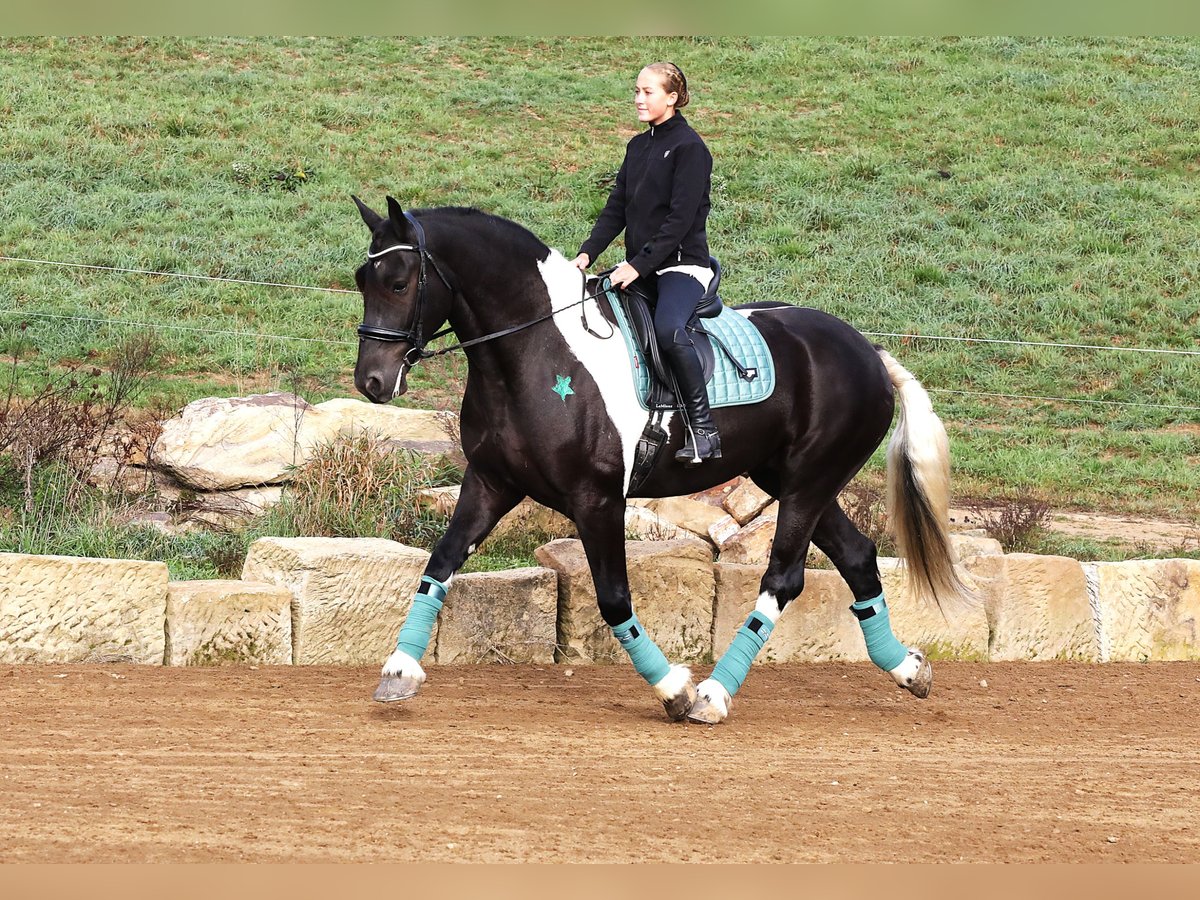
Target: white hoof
[
  {"x": 677, "y": 692},
  {"x": 915, "y": 674},
  {"x": 712, "y": 703},
  {"x": 401, "y": 678}
]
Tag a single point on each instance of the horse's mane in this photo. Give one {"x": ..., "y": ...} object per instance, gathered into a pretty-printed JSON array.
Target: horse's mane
[{"x": 495, "y": 227}]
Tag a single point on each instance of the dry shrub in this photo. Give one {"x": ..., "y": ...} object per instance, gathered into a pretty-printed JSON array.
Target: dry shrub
[
  {"x": 359, "y": 487},
  {"x": 1016, "y": 521},
  {"x": 866, "y": 507}
]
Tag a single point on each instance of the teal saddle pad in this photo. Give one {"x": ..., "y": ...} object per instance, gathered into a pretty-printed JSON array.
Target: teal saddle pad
[{"x": 726, "y": 387}]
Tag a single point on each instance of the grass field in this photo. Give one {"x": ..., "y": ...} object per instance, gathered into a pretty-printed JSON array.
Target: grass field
[{"x": 1014, "y": 190}]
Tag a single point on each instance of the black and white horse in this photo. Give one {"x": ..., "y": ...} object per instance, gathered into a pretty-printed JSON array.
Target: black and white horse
[{"x": 550, "y": 412}]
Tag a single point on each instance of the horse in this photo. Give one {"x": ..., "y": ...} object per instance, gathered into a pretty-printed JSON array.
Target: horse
[{"x": 549, "y": 412}]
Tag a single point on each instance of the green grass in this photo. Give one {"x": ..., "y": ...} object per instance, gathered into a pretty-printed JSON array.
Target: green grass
[{"x": 1014, "y": 189}]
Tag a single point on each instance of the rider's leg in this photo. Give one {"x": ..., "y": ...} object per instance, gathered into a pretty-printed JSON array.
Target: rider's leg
[{"x": 678, "y": 295}]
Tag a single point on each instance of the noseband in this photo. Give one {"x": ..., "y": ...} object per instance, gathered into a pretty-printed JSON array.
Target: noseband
[{"x": 412, "y": 334}]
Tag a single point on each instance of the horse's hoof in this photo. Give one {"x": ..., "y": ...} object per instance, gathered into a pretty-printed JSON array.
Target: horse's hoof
[
  {"x": 920, "y": 683},
  {"x": 681, "y": 704},
  {"x": 396, "y": 687},
  {"x": 705, "y": 712}
]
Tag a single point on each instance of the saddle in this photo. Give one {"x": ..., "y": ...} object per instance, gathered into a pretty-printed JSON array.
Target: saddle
[{"x": 633, "y": 309}]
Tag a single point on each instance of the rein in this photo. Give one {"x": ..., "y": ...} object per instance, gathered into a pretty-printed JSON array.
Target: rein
[{"x": 413, "y": 333}]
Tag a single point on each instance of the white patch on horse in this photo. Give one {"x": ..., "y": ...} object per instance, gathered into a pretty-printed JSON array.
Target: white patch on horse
[
  {"x": 607, "y": 361},
  {"x": 768, "y": 606},
  {"x": 400, "y": 663}
]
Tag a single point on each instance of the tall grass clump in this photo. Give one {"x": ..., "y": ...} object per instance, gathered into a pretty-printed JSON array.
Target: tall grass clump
[{"x": 360, "y": 487}]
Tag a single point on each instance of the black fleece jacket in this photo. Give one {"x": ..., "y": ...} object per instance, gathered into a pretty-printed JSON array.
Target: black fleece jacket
[{"x": 660, "y": 199}]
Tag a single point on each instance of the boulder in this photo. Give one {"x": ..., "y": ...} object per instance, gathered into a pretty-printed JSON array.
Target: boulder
[
  {"x": 750, "y": 544},
  {"x": 218, "y": 444},
  {"x": 969, "y": 544},
  {"x": 672, "y": 587},
  {"x": 60, "y": 609},
  {"x": 1147, "y": 609},
  {"x": 504, "y": 617},
  {"x": 746, "y": 501},
  {"x": 1037, "y": 606},
  {"x": 350, "y": 595},
  {"x": 221, "y": 623},
  {"x": 691, "y": 515},
  {"x": 526, "y": 516},
  {"x": 642, "y": 524}
]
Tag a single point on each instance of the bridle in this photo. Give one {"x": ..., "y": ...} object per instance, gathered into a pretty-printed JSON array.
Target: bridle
[{"x": 413, "y": 334}]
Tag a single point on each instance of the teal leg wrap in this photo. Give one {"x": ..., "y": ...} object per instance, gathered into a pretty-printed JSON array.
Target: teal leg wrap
[
  {"x": 734, "y": 666},
  {"x": 647, "y": 659},
  {"x": 883, "y": 648},
  {"x": 418, "y": 624}
]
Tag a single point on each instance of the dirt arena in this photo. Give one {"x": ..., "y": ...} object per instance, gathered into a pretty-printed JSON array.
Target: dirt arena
[{"x": 1004, "y": 762}]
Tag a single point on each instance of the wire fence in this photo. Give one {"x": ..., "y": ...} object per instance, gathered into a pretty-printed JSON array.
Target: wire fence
[{"x": 282, "y": 337}]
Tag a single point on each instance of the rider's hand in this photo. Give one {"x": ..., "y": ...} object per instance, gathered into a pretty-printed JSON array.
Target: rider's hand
[
  {"x": 623, "y": 275},
  {"x": 581, "y": 262}
]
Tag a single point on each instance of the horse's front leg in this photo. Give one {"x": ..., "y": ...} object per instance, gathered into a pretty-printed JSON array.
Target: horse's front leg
[
  {"x": 602, "y": 530},
  {"x": 481, "y": 504}
]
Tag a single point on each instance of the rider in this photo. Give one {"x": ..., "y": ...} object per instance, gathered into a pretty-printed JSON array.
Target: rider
[{"x": 661, "y": 201}]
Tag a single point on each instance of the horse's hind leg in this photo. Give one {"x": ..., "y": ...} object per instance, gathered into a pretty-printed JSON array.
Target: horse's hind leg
[
  {"x": 602, "y": 530},
  {"x": 481, "y": 505},
  {"x": 853, "y": 553}
]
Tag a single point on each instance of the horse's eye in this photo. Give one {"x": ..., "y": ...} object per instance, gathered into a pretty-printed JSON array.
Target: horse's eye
[{"x": 399, "y": 287}]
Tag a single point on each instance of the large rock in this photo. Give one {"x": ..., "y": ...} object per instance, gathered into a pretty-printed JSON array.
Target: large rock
[
  {"x": 220, "y": 623},
  {"x": 672, "y": 587},
  {"x": 422, "y": 430},
  {"x": 350, "y": 594},
  {"x": 218, "y": 444},
  {"x": 71, "y": 609},
  {"x": 504, "y": 617},
  {"x": 643, "y": 524},
  {"x": 1037, "y": 606},
  {"x": 1147, "y": 609},
  {"x": 818, "y": 626},
  {"x": 691, "y": 515},
  {"x": 746, "y": 501},
  {"x": 526, "y": 516},
  {"x": 751, "y": 544}
]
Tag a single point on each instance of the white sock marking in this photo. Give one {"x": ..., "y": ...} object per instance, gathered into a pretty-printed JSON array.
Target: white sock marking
[
  {"x": 715, "y": 693},
  {"x": 768, "y": 606},
  {"x": 400, "y": 663},
  {"x": 904, "y": 673},
  {"x": 673, "y": 683}
]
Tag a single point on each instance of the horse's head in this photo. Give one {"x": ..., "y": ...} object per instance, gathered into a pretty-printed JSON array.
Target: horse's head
[{"x": 402, "y": 304}]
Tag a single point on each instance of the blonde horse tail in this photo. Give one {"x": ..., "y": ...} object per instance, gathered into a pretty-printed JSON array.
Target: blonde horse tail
[{"x": 918, "y": 492}]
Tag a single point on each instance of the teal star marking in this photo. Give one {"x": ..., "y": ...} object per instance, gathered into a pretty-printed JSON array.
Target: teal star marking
[{"x": 563, "y": 387}]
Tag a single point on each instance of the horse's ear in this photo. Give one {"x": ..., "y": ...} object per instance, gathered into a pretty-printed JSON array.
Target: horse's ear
[
  {"x": 369, "y": 215},
  {"x": 396, "y": 215}
]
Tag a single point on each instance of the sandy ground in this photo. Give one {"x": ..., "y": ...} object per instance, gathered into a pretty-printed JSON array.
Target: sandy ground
[{"x": 1044, "y": 762}]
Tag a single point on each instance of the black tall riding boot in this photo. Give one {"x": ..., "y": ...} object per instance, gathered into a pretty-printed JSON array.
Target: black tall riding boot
[{"x": 702, "y": 441}]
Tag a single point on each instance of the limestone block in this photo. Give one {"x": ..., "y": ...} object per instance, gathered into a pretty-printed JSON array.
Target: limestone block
[
  {"x": 350, "y": 595},
  {"x": 423, "y": 430},
  {"x": 751, "y": 544},
  {"x": 228, "y": 509},
  {"x": 642, "y": 524},
  {"x": 1037, "y": 606},
  {"x": 217, "y": 623},
  {"x": 672, "y": 587},
  {"x": 1148, "y": 609},
  {"x": 504, "y": 616},
  {"x": 691, "y": 515},
  {"x": 722, "y": 531},
  {"x": 218, "y": 444},
  {"x": 60, "y": 609},
  {"x": 715, "y": 496},
  {"x": 967, "y": 545},
  {"x": 818, "y": 626},
  {"x": 746, "y": 501},
  {"x": 442, "y": 500}
]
